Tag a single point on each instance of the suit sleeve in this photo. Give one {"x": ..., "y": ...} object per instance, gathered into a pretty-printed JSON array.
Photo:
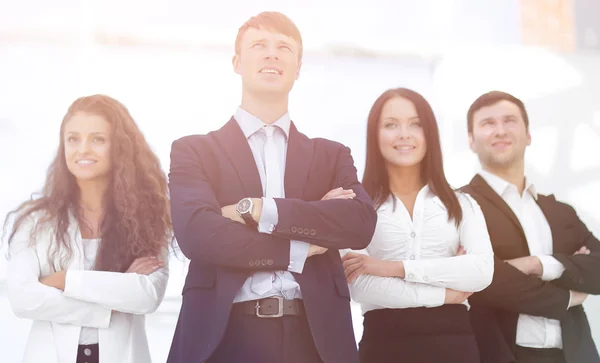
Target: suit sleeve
[
  {"x": 125, "y": 292},
  {"x": 201, "y": 231},
  {"x": 514, "y": 291},
  {"x": 267, "y": 222},
  {"x": 337, "y": 223},
  {"x": 582, "y": 272}
]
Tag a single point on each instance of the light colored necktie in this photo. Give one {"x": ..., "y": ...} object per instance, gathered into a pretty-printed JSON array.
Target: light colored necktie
[
  {"x": 262, "y": 281},
  {"x": 272, "y": 167}
]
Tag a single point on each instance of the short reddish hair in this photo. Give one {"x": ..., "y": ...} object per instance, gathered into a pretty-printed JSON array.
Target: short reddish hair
[{"x": 273, "y": 21}]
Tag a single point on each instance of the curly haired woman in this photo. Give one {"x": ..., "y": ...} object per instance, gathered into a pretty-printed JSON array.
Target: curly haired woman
[{"x": 88, "y": 258}]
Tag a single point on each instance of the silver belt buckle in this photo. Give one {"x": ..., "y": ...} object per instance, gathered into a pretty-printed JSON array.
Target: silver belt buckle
[{"x": 279, "y": 312}]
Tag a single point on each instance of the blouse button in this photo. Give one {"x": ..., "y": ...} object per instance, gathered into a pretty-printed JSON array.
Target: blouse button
[
  {"x": 413, "y": 234},
  {"x": 412, "y": 257},
  {"x": 87, "y": 351}
]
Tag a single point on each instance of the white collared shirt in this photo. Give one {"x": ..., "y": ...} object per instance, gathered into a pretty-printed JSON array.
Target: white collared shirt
[
  {"x": 427, "y": 245},
  {"x": 532, "y": 331},
  {"x": 90, "y": 251},
  {"x": 284, "y": 283}
]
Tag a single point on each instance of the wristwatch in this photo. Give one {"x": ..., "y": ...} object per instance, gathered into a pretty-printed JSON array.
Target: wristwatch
[{"x": 244, "y": 209}]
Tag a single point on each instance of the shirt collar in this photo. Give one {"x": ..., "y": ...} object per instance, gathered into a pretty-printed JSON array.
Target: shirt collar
[
  {"x": 426, "y": 191},
  {"x": 250, "y": 124},
  {"x": 500, "y": 185}
]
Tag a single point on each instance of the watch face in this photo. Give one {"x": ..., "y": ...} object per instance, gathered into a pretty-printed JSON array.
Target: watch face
[{"x": 244, "y": 206}]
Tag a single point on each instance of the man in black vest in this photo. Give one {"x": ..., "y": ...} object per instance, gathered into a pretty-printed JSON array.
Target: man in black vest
[{"x": 546, "y": 260}]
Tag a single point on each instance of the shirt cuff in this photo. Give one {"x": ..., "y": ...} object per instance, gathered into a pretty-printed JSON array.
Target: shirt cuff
[
  {"x": 269, "y": 216},
  {"x": 552, "y": 269},
  {"x": 298, "y": 256},
  {"x": 570, "y": 298},
  {"x": 412, "y": 273}
]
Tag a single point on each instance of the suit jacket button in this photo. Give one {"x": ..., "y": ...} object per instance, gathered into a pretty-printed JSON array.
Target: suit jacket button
[
  {"x": 306, "y": 231},
  {"x": 256, "y": 263},
  {"x": 270, "y": 262},
  {"x": 251, "y": 263},
  {"x": 313, "y": 232},
  {"x": 263, "y": 262},
  {"x": 294, "y": 229}
]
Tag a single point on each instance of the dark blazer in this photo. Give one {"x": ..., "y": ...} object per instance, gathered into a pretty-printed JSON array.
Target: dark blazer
[
  {"x": 218, "y": 169},
  {"x": 495, "y": 310}
]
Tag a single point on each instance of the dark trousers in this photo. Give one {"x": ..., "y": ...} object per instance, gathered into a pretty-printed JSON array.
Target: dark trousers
[
  {"x": 534, "y": 355},
  {"x": 87, "y": 354},
  {"x": 418, "y": 335},
  {"x": 250, "y": 339}
]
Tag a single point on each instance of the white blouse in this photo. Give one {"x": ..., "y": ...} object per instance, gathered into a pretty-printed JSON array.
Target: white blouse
[
  {"x": 427, "y": 245},
  {"x": 90, "y": 251}
]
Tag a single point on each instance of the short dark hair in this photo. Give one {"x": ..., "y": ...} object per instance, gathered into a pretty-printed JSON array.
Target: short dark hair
[{"x": 491, "y": 98}]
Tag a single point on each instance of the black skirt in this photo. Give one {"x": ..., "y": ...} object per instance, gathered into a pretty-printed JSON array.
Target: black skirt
[{"x": 418, "y": 335}]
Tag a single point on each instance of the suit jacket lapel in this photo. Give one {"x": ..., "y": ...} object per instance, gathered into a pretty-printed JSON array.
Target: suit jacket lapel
[
  {"x": 298, "y": 162},
  {"x": 77, "y": 258},
  {"x": 555, "y": 221},
  {"x": 236, "y": 148},
  {"x": 483, "y": 188}
]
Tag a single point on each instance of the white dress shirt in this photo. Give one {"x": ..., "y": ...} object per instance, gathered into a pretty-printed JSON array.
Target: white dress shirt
[
  {"x": 90, "y": 251},
  {"x": 532, "y": 331},
  {"x": 427, "y": 245},
  {"x": 284, "y": 283}
]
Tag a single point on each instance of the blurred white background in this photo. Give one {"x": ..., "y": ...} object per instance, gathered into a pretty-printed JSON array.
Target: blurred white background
[{"x": 169, "y": 62}]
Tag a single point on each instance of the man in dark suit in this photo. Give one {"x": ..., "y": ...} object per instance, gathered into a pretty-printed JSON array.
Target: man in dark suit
[
  {"x": 547, "y": 261},
  {"x": 261, "y": 211}
]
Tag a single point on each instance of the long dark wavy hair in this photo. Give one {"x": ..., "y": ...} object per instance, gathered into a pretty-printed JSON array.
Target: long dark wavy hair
[
  {"x": 136, "y": 219},
  {"x": 376, "y": 179}
]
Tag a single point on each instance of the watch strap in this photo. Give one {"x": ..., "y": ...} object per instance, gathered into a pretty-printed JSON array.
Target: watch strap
[{"x": 247, "y": 217}]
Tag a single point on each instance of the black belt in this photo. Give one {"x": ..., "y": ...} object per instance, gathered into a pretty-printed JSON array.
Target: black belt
[{"x": 271, "y": 307}]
